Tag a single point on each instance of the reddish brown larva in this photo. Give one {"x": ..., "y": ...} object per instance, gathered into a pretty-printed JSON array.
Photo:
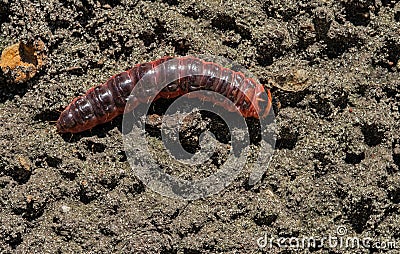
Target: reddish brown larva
[{"x": 104, "y": 102}]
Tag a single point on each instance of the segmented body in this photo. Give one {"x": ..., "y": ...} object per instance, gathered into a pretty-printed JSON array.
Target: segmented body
[{"x": 104, "y": 102}]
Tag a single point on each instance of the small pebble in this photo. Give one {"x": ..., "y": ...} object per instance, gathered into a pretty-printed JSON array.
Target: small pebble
[{"x": 65, "y": 208}]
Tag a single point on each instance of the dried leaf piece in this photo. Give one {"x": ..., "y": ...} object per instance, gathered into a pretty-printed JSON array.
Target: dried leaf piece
[{"x": 20, "y": 62}]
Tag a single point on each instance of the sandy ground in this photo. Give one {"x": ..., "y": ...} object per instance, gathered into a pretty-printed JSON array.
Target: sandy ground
[{"x": 336, "y": 167}]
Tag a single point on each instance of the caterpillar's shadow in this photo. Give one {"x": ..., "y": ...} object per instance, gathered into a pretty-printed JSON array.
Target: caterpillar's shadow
[{"x": 99, "y": 131}]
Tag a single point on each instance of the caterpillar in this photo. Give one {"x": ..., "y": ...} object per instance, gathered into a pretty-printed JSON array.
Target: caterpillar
[{"x": 104, "y": 102}]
